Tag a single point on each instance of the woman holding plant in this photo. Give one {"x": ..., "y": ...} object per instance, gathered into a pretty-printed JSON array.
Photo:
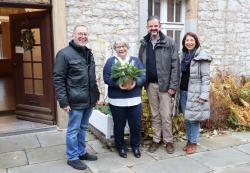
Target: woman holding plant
[
  {"x": 125, "y": 77},
  {"x": 194, "y": 88}
]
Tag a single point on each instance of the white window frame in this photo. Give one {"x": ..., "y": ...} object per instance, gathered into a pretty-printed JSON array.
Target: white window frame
[{"x": 180, "y": 26}]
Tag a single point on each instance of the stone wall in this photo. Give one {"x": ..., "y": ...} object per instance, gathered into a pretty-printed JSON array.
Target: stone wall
[
  {"x": 224, "y": 30},
  {"x": 106, "y": 20}
]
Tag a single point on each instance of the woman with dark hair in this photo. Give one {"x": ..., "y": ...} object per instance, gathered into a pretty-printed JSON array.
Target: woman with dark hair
[{"x": 194, "y": 88}]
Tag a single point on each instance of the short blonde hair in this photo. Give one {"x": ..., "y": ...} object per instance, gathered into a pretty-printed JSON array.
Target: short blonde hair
[{"x": 120, "y": 40}]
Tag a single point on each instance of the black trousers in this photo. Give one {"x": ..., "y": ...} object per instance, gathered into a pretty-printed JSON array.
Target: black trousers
[{"x": 121, "y": 115}]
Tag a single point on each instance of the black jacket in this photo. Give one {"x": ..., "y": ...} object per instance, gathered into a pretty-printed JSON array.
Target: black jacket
[{"x": 74, "y": 77}]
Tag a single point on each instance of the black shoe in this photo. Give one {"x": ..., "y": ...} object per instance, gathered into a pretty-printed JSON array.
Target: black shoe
[
  {"x": 88, "y": 157},
  {"x": 170, "y": 148},
  {"x": 137, "y": 153},
  {"x": 122, "y": 152},
  {"x": 77, "y": 164}
]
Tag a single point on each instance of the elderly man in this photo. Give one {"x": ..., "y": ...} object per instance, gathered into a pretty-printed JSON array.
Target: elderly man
[
  {"x": 77, "y": 93},
  {"x": 159, "y": 56}
]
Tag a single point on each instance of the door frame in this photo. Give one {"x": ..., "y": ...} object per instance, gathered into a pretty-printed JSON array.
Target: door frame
[{"x": 47, "y": 7}]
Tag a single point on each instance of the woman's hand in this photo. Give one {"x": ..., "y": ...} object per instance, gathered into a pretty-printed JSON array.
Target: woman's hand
[
  {"x": 122, "y": 87},
  {"x": 131, "y": 86}
]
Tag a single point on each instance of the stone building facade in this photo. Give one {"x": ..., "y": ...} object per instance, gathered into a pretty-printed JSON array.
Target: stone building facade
[
  {"x": 107, "y": 20},
  {"x": 223, "y": 27}
]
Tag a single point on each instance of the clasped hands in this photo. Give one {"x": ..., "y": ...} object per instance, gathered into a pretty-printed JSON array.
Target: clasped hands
[{"x": 130, "y": 87}]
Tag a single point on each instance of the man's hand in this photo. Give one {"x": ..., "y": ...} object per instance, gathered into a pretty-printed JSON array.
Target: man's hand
[
  {"x": 67, "y": 109},
  {"x": 171, "y": 92},
  {"x": 202, "y": 101}
]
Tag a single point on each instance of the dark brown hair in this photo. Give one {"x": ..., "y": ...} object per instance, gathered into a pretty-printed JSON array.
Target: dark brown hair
[{"x": 191, "y": 34}]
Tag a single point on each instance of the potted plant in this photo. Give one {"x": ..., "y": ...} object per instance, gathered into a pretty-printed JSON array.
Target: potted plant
[
  {"x": 101, "y": 123},
  {"x": 125, "y": 74}
]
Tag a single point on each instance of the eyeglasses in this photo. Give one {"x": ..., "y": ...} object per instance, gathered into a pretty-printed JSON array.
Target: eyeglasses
[
  {"x": 81, "y": 34},
  {"x": 120, "y": 47}
]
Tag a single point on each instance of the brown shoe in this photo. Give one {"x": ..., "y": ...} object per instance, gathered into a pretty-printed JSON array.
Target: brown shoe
[
  {"x": 170, "y": 148},
  {"x": 153, "y": 147},
  {"x": 191, "y": 149},
  {"x": 186, "y": 146}
]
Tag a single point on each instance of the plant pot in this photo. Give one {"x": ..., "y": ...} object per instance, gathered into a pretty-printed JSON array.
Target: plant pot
[
  {"x": 127, "y": 83},
  {"x": 104, "y": 124}
]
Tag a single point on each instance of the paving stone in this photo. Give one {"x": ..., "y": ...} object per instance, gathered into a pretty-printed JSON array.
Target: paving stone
[
  {"x": 13, "y": 159},
  {"x": 172, "y": 165},
  {"x": 244, "y": 148},
  {"x": 90, "y": 136},
  {"x": 162, "y": 154},
  {"x": 46, "y": 154},
  {"x": 238, "y": 169},
  {"x": 118, "y": 170},
  {"x": 3, "y": 171},
  {"x": 48, "y": 167},
  {"x": 16, "y": 143},
  {"x": 219, "y": 142},
  {"x": 52, "y": 138},
  {"x": 222, "y": 158},
  {"x": 111, "y": 160},
  {"x": 244, "y": 136},
  {"x": 98, "y": 146}
]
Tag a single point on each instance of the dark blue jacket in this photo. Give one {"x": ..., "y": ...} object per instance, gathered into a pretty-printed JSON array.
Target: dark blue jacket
[{"x": 114, "y": 90}]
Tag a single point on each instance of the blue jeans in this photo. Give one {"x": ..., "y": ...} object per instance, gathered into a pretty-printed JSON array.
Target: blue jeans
[
  {"x": 120, "y": 116},
  {"x": 192, "y": 127},
  {"x": 76, "y": 133}
]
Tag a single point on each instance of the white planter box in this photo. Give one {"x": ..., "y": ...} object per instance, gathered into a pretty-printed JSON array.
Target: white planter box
[{"x": 104, "y": 123}]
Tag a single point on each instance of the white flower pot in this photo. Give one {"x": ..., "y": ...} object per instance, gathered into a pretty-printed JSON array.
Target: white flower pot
[{"x": 104, "y": 123}]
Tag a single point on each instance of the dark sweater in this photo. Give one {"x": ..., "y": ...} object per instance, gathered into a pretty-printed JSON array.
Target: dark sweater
[
  {"x": 114, "y": 90},
  {"x": 185, "y": 79},
  {"x": 151, "y": 64}
]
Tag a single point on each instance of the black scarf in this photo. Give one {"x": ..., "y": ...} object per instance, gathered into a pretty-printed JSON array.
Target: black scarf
[{"x": 187, "y": 58}]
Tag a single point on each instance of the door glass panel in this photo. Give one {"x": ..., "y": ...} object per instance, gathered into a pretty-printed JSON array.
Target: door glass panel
[
  {"x": 150, "y": 5},
  {"x": 32, "y": 67},
  {"x": 38, "y": 72},
  {"x": 36, "y": 52},
  {"x": 27, "y": 56},
  {"x": 36, "y": 34},
  {"x": 28, "y": 86},
  {"x": 38, "y": 87},
  {"x": 27, "y": 70}
]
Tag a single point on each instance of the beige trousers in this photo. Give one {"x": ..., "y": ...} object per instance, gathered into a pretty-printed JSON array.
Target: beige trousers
[{"x": 161, "y": 109}]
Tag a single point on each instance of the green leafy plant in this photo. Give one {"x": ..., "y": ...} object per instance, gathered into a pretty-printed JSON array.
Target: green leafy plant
[
  {"x": 27, "y": 39},
  {"x": 104, "y": 108},
  {"x": 124, "y": 73}
]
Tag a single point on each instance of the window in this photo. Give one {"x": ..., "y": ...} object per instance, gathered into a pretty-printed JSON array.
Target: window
[{"x": 172, "y": 15}]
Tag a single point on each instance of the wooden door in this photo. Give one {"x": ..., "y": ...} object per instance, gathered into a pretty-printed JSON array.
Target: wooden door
[{"x": 35, "y": 98}]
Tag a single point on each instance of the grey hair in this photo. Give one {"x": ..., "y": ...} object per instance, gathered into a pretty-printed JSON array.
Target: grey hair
[
  {"x": 154, "y": 18},
  {"x": 120, "y": 40},
  {"x": 79, "y": 26}
]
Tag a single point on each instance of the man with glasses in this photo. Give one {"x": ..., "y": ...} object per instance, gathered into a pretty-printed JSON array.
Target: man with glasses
[{"x": 77, "y": 93}]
